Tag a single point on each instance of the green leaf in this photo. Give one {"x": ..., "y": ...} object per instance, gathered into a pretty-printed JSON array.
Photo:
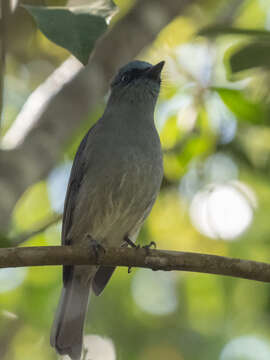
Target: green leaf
[
  {"x": 224, "y": 30},
  {"x": 170, "y": 133},
  {"x": 247, "y": 56},
  {"x": 243, "y": 108},
  {"x": 75, "y": 28},
  {"x": 252, "y": 55}
]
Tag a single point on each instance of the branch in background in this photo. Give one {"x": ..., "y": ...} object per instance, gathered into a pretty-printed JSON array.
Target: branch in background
[
  {"x": 38, "y": 101},
  {"x": 143, "y": 258},
  {"x": 38, "y": 230},
  {"x": 65, "y": 112},
  {"x": 230, "y": 12},
  {"x": 3, "y": 32}
]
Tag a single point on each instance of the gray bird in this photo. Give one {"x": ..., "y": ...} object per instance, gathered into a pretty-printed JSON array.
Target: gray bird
[{"x": 114, "y": 182}]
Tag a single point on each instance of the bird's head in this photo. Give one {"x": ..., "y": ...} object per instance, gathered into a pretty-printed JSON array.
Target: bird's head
[{"x": 137, "y": 82}]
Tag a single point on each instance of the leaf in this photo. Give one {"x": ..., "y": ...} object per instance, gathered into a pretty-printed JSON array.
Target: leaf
[
  {"x": 170, "y": 133},
  {"x": 253, "y": 55},
  {"x": 224, "y": 30},
  {"x": 243, "y": 108},
  {"x": 74, "y": 28}
]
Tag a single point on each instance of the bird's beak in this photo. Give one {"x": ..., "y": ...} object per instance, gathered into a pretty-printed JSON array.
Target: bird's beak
[{"x": 155, "y": 71}]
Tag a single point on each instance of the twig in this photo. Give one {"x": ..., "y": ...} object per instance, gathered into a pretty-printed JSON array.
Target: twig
[
  {"x": 38, "y": 229},
  {"x": 152, "y": 259}
]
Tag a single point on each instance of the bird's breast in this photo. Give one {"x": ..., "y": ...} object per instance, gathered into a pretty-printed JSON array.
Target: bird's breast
[{"x": 119, "y": 189}]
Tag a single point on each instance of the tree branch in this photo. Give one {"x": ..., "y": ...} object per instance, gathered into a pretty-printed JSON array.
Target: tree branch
[{"x": 144, "y": 258}]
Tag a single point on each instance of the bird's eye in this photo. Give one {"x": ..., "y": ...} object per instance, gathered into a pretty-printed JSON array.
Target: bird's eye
[{"x": 124, "y": 78}]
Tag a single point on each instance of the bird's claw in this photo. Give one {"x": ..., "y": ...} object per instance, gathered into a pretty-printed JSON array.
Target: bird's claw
[
  {"x": 151, "y": 244},
  {"x": 96, "y": 247},
  {"x": 130, "y": 243}
]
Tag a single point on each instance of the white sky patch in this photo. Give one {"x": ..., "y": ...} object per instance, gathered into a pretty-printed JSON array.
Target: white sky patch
[
  {"x": 171, "y": 107},
  {"x": 57, "y": 186},
  {"x": 197, "y": 60}
]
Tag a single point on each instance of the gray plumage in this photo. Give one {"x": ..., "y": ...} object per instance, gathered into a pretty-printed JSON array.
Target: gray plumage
[{"x": 114, "y": 181}]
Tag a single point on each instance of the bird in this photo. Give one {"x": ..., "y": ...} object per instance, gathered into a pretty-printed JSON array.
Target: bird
[{"x": 114, "y": 182}]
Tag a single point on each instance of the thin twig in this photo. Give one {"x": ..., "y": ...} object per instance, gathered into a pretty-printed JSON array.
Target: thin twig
[
  {"x": 144, "y": 258},
  {"x": 40, "y": 228}
]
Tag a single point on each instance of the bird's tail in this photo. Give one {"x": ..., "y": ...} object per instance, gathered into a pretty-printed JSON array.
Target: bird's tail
[{"x": 67, "y": 329}]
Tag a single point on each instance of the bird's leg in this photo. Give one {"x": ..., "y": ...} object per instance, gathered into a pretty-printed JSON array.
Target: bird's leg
[
  {"x": 95, "y": 246},
  {"x": 146, "y": 247},
  {"x": 131, "y": 243}
]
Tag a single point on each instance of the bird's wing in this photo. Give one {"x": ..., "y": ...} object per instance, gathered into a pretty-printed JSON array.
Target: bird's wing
[{"x": 75, "y": 180}]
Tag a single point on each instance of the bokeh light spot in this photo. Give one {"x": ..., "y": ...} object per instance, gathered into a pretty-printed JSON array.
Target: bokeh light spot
[
  {"x": 57, "y": 186},
  {"x": 97, "y": 348},
  {"x": 221, "y": 211},
  {"x": 246, "y": 348},
  {"x": 155, "y": 292},
  {"x": 11, "y": 278}
]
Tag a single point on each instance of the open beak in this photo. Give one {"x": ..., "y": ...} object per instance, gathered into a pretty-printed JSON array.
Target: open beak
[{"x": 155, "y": 71}]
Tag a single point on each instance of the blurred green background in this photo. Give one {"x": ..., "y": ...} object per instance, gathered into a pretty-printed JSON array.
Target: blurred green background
[{"x": 213, "y": 117}]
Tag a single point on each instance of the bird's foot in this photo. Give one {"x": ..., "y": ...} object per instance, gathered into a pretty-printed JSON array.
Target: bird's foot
[
  {"x": 151, "y": 244},
  {"x": 147, "y": 247},
  {"x": 96, "y": 247},
  {"x": 131, "y": 243}
]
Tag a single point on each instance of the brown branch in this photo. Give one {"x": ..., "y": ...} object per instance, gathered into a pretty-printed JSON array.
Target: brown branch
[{"x": 152, "y": 259}]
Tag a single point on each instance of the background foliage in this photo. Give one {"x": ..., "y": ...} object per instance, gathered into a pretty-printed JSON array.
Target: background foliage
[{"x": 213, "y": 118}]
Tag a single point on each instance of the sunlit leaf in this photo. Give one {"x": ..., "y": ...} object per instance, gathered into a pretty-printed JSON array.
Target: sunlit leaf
[
  {"x": 244, "y": 57},
  {"x": 170, "y": 132},
  {"x": 74, "y": 28},
  {"x": 242, "y": 107},
  {"x": 253, "y": 55}
]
